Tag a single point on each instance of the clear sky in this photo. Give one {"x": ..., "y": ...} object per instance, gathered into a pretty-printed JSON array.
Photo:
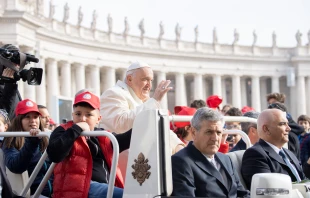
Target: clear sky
[{"x": 284, "y": 17}]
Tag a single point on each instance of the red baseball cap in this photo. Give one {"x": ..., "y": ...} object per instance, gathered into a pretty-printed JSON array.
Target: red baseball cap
[
  {"x": 246, "y": 109},
  {"x": 214, "y": 101},
  {"x": 177, "y": 109},
  {"x": 186, "y": 111},
  {"x": 26, "y": 106},
  {"x": 89, "y": 98},
  {"x": 52, "y": 122}
]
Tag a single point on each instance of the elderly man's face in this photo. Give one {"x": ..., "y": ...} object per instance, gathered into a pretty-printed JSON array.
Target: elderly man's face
[
  {"x": 278, "y": 130},
  {"x": 141, "y": 82},
  {"x": 207, "y": 140}
]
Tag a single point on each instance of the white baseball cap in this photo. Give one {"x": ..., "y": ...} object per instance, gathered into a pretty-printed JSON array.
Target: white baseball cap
[{"x": 137, "y": 65}]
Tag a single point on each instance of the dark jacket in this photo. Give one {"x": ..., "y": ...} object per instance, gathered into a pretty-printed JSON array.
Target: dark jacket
[
  {"x": 241, "y": 145},
  {"x": 9, "y": 97},
  {"x": 261, "y": 158},
  {"x": 61, "y": 142},
  {"x": 304, "y": 148},
  {"x": 296, "y": 130},
  {"x": 27, "y": 158},
  {"x": 194, "y": 176}
]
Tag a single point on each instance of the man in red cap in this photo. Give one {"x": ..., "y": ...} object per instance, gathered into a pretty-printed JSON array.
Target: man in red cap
[
  {"x": 84, "y": 162},
  {"x": 214, "y": 102}
]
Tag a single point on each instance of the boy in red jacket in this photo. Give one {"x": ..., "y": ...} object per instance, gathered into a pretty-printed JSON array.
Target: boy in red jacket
[{"x": 84, "y": 162}]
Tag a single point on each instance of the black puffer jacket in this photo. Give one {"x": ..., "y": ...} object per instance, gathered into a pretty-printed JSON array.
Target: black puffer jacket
[{"x": 9, "y": 97}]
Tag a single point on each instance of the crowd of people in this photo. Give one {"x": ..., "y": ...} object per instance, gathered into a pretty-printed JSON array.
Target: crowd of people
[{"x": 200, "y": 167}]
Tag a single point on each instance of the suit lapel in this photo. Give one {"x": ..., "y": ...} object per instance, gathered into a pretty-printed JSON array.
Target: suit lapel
[
  {"x": 272, "y": 154},
  {"x": 201, "y": 161}
]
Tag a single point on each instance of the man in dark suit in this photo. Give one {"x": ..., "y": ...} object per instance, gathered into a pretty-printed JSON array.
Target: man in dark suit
[
  {"x": 250, "y": 129},
  {"x": 199, "y": 170},
  {"x": 268, "y": 154}
]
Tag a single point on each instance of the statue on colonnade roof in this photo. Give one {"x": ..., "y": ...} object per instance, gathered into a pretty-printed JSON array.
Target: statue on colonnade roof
[
  {"x": 161, "y": 30},
  {"x": 110, "y": 24},
  {"x": 236, "y": 37},
  {"x": 274, "y": 39},
  {"x": 215, "y": 39},
  {"x": 298, "y": 36},
  {"x": 66, "y": 13},
  {"x": 196, "y": 30},
  {"x": 52, "y": 10},
  {"x": 80, "y": 16},
  {"x": 94, "y": 20},
  {"x": 141, "y": 28},
  {"x": 254, "y": 38},
  {"x": 178, "y": 31},
  {"x": 127, "y": 28}
]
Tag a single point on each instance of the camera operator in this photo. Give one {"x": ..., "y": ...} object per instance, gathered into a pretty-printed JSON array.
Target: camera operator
[{"x": 9, "y": 94}]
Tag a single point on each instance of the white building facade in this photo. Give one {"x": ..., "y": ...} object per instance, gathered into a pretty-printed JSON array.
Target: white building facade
[{"x": 75, "y": 57}]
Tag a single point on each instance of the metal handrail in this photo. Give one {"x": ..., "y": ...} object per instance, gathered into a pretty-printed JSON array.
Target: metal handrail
[
  {"x": 50, "y": 170},
  {"x": 244, "y": 136},
  {"x": 113, "y": 167},
  {"x": 177, "y": 118},
  {"x": 40, "y": 162}
]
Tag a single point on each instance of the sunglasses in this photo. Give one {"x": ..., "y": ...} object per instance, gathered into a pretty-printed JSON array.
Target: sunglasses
[{"x": 276, "y": 106}]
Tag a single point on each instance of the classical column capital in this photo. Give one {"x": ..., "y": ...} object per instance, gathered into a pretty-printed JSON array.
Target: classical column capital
[{"x": 50, "y": 61}]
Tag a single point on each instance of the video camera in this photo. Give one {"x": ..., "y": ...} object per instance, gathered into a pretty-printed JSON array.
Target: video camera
[{"x": 11, "y": 58}]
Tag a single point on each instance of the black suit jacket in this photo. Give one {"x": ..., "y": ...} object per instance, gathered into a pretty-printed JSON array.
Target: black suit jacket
[
  {"x": 261, "y": 158},
  {"x": 194, "y": 176},
  {"x": 241, "y": 145}
]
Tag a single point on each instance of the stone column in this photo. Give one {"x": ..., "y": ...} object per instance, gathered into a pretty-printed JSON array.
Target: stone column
[
  {"x": 301, "y": 95},
  {"x": 275, "y": 85},
  {"x": 41, "y": 89},
  {"x": 308, "y": 94},
  {"x": 73, "y": 85},
  {"x": 52, "y": 83},
  {"x": 244, "y": 101},
  {"x": 122, "y": 74},
  {"x": 65, "y": 78},
  {"x": 256, "y": 93},
  {"x": 205, "y": 90},
  {"x": 95, "y": 79},
  {"x": 224, "y": 95},
  {"x": 217, "y": 85},
  {"x": 180, "y": 94},
  {"x": 164, "y": 102},
  {"x": 79, "y": 76},
  {"x": 236, "y": 91},
  {"x": 108, "y": 78},
  {"x": 198, "y": 86},
  {"x": 263, "y": 93},
  {"x": 29, "y": 90},
  {"x": 87, "y": 79}
]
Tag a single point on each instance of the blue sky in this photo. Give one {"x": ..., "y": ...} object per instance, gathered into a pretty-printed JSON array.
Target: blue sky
[{"x": 265, "y": 16}]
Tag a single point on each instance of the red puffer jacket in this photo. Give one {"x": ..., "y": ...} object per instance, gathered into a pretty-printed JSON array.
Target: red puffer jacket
[{"x": 72, "y": 176}]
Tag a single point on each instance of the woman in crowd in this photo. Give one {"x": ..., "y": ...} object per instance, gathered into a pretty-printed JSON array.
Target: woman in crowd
[
  {"x": 23, "y": 153},
  {"x": 183, "y": 129}
]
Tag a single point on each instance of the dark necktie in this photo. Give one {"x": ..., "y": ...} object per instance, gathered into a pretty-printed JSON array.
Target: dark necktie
[{"x": 288, "y": 163}]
